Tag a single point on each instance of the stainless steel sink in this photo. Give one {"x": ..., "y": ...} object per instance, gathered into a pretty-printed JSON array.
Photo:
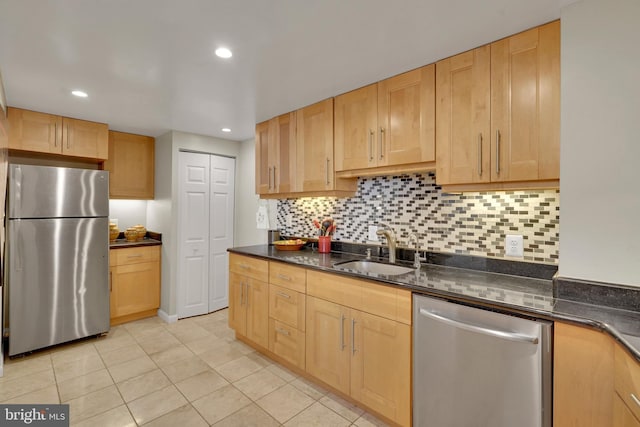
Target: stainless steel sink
[{"x": 374, "y": 267}]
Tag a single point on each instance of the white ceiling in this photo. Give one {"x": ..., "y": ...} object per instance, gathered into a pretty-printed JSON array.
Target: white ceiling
[{"x": 148, "y": 65}]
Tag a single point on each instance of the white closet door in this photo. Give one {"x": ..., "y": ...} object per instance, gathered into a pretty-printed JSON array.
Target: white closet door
[
  {"x": 221, "y": 231},
  {"x": 193, "y": 234}
]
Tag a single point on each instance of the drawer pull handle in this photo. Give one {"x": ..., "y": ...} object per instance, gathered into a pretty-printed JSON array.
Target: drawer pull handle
[
  {"x": 282, "y": 331},
  {"x": 635, "y": 399},
  {"x": 243, "y": 266},
  {"x": 342, "y": 332},
  {"x": 353, "y": 336},
  {"x": 134, "y": 256},
  {"x": 283, "y": 295},
  {"x": 283, "y": 277}
]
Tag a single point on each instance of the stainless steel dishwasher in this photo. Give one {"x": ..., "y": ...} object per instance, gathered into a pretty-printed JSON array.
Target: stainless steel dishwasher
[{"x": 478, "y": 368}]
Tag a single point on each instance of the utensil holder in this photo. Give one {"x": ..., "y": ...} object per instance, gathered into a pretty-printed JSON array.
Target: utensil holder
[{"x": 324, "y": 244}]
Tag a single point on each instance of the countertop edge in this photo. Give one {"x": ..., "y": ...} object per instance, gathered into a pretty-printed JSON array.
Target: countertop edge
[{"x": 623, "y": 339}]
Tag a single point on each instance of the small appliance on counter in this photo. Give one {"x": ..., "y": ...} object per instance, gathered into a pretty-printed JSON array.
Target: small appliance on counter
[{"x": 57, "y": 256}]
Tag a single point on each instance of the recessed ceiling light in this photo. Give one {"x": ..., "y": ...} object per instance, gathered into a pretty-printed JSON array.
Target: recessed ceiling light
[
  {"x": 225, "y": 130},
  {"x": 223, "y": 52},
  {"x": 79, "y": 93}
]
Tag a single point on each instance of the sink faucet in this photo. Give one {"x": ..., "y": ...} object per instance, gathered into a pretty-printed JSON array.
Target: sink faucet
[
  {"x": 416, "y": 254},
  {"x": 386, "y": 231}
]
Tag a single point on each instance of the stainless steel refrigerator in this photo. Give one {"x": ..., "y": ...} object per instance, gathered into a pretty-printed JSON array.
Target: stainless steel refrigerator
[{"x": 57, "y": 255}]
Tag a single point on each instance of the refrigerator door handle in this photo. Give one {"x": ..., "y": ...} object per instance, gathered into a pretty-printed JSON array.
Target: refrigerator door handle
[
  {"x": 510, "y": 336},
  {"x": 17, "y": 177}
]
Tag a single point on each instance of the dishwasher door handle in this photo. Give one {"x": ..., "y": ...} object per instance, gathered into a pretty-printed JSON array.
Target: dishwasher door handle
[{"x": 510, "y": 336}]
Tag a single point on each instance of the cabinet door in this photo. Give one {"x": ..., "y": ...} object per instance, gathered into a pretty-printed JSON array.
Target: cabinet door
[
  {"x": 258, "y": 312},
  {"x": 381, "y": 365},
  {"x": 282, "y": 151},
  {"x": 406, "y": 117},
  {"x": 131, "y": 166},
  {"x": 81, "y": 138},
  {"x": 237, "y": 304},
  {"x": 463, "y": 118},
  {"x": 33, "y": 131},
  {"x": 327, "y": 343},
  {"x": 583, "y": 372},
  {"x": 314, "y": 171},
  {"x": 356, "y": 123},
  {"x": 525, "y": 105},
  {"x": 135, "y": 288},
  {"x": 622, "y": 415},
  {"x": 263, "y": 170}
]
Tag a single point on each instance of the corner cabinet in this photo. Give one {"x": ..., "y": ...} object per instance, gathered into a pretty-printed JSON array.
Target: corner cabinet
[
  {"x": 498, "y": 113},
  {"x": 36, "y": 132},
  {"x": 387, "y": 124},
  {"x": 134, "y": 283},
  {"x": 131, "y": 166},
  {"x": 276, "y": 155}
]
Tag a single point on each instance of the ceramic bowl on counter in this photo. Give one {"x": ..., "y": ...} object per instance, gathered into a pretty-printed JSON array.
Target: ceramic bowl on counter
[
  {"x": 131, "y": 234},
  {"x": 114, "y": 232},
  {"x": 141, "y": 230}
]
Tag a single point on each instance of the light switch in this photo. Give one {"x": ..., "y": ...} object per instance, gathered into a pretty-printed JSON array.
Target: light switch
[{"x": 372, "y": 236}]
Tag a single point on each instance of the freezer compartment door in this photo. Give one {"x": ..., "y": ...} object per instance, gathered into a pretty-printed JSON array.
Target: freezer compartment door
[
  {"x": 474, "y": 367},
  {"x": 52, "y": 192},
  {"x": 58, "y": 281}
]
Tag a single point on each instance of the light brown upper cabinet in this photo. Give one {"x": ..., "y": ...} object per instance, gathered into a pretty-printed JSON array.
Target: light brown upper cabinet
[
  {"x": 315, "y": 167},
  {"x": 131, "y": 166},
  {"x": 522, "y": 142},
  {"x": 463, "y": 119},
  {"x": 387, "y": 124},
  {"x": 47, "y": 133},
  {"x": 276, "y": 155}
]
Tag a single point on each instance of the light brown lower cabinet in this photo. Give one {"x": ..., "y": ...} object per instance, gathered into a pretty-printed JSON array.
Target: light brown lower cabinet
[
  {"x": 362, "y": 355},
  {"x": 596, "y": 382},
  {"x": 249, "y": 308},
  {"x": 622, "y": 415},
  {"x": 352, "y": 335},
  {"x": 134, "y": 283}
]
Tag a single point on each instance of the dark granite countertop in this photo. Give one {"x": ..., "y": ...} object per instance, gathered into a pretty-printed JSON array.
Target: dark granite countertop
[{"x": 510, "y": 293}]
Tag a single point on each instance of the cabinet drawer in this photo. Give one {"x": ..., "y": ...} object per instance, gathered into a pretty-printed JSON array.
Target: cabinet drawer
[
  {"x": 135, "y": 255},
  {"x": 287, "y": 306},
  {"x": 250, "y": 267},
  {"x": 287, "y": 342},
  {"x": 627, "y": 379},
  {"x": 287, "y": 276},
  {"x": 384, "y": 301}
]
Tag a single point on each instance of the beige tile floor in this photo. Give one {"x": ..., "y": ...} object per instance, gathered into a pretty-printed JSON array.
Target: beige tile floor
[{"x": 190, "y": 373}]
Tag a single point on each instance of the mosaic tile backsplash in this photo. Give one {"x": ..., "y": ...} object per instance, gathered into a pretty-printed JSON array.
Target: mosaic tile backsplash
[{"x": 468, "y": 223}]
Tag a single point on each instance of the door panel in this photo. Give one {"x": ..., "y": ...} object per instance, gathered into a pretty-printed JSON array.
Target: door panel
[
  {"x": 326, "y": 346},
  {"x": 381, "y": 345},
  {"x": 220, "y": 229},
  {"x": 193, "y": 223}
]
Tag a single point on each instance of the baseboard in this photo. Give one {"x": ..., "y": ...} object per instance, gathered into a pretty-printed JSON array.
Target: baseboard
[{"x": 167, "y": 318}]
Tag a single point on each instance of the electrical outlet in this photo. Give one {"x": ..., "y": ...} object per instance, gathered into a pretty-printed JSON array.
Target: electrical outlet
[
  {"x": 289, "y": 220},
  {"x": 514, "y": 245},
  {"x": 372, "y": 236}
]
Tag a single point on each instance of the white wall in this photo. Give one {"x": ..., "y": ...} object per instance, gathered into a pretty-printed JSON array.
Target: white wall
[
  {"x": 600, "y": 142},
  {"x": 247, "y": 201},
  {"x": 128, "y": 212}
]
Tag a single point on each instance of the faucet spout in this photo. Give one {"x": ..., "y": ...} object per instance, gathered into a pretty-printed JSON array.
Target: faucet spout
[{"x": 386, "y": 231}]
